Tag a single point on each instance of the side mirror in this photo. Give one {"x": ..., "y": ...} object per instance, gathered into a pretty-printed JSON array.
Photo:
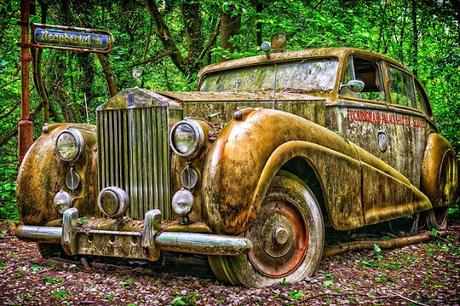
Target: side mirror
[{"x": 354, "y": 85}]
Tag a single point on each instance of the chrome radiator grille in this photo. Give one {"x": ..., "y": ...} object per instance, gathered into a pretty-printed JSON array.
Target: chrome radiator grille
[{"x": 133, "y": 154}]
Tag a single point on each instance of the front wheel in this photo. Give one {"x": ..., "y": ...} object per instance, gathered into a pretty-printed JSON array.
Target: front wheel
[{"x": 288, "y": 238}]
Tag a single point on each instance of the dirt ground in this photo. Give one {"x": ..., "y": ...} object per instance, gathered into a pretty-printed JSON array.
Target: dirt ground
[{"x": 426, "y": 273}]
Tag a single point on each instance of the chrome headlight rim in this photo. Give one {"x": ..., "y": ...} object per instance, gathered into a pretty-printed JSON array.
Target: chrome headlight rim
[
  {"x": 121, "y": 198},
  {"x": 199, "y": 141},
  {"x": 79, "y": 140}
]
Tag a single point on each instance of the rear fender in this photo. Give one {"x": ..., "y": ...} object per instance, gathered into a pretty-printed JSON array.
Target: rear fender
[{"x": 437, "y": 152}]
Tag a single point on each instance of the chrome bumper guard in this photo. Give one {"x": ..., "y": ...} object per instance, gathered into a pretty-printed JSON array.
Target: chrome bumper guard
[{"x": 146, "y": 245}]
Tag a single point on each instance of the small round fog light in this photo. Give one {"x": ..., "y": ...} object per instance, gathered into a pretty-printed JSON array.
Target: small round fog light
[
  {"x": 182, "y": 202},
  {"x": 189, "y": 177},
  {"x": 72, "y": 179},
  {"x": 62, "y": 200},
  {"x": 113, "y": 201}
]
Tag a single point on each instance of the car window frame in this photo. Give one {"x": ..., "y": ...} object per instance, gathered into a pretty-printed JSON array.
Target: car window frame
[
  {"x": 381, "y": 66},
  {"x": 425, "y": 101},
  {"x": 415, "y": 81},
  {"x": 403, "y": 71}
]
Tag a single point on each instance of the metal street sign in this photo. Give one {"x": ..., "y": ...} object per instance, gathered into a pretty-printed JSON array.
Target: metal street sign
[{"x": 71, "y": 38}]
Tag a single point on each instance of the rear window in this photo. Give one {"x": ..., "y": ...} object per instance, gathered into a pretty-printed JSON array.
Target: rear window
[
  {"x": 420, "y": 99},
  {"x": 401, "y": 87}
]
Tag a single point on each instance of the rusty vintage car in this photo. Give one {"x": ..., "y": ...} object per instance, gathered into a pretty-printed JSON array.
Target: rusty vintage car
[{"x": 248, "y": 170}]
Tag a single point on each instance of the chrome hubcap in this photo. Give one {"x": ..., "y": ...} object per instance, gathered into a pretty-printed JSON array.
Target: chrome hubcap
[{"x": 280, "y": 235}]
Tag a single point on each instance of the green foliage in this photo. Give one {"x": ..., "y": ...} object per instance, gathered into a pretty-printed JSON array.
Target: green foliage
[
  {"x": 2, "y": 265},
  {"x": 52, "y": 280},
  {"x": 8, "y": 171},
  {"x": 127, "y": 282},
  {"x": 110, "y": 297},
  {"x": 61, "y": 294},
  {"x": 327, "y": 283},
  {"x": 378, "y": 252},
  {"x": 369, "y": 263},
  {"x": 35, "y": 267},
  {"x": 185, "y": 300},
  {"x": 296, "y": 295},
  {"x": 83, "y": 220},
  {"x": 284, "y": 282}
]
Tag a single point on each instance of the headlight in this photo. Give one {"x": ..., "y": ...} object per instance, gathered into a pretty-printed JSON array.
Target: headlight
[
  {"x": 69, "y": 145},
  {"x": 186, "y": 137}
]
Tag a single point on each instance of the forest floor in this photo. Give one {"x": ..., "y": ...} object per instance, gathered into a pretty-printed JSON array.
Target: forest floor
[{"x": 419, "y": 274}]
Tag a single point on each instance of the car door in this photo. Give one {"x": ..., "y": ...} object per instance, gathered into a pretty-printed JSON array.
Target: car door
[{"x": 383, "y": 120}]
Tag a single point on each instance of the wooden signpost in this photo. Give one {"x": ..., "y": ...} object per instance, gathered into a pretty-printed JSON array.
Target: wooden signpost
[{"x": 55, "y": 37}]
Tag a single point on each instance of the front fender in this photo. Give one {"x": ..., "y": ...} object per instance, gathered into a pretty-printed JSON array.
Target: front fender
[
  {"x": 42, "y": 174},
  {"x": 232, "y": 188}
]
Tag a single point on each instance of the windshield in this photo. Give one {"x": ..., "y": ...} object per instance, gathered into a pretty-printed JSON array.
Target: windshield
[{"x": 305, "y": 76}]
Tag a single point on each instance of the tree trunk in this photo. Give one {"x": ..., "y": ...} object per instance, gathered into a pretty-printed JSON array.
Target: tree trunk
[
  {"x": 193, "y": 26},
  {"x": 166, "y": 38},
  {"x": 111, "y": 85},
  {"x": 259, "y": 35},
  {"x": 85, "y": 61},
  {"x": 382, "y": 26},
  {"x": 415, "y": 37},
  {"x": 229, "y": 26}
]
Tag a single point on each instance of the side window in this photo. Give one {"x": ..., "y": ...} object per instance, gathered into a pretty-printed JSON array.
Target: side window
[
  {"x": 420, "y": 98},
  {"x": 368, "y": 71},
  {"x": 401, "y": 87}
]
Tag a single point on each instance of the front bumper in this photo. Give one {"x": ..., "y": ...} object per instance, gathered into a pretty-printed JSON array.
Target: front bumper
[{"x": 131, "y": 244}]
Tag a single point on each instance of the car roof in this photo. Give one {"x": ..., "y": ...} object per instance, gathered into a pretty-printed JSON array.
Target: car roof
[{"x": 294, "y": 55}]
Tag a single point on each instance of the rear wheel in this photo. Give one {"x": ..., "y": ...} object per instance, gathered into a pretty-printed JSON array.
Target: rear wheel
[
  {"x": 437, "y": 218},
  {"x": 447, "y": 187},
  {"x": 288, "y": 238}
]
